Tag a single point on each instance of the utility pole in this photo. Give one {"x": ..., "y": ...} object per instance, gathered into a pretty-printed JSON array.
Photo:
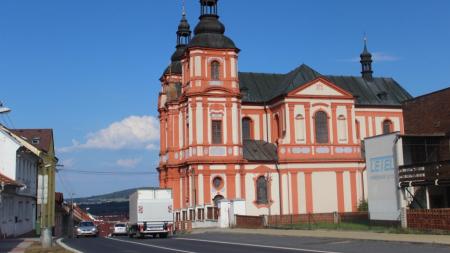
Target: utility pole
[
  {"x": 46, "y": 225},
  {"x": 46, "y": 185}
]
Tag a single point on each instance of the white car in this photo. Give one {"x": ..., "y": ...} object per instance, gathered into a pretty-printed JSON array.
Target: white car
[{"x": 120, "y": 229}]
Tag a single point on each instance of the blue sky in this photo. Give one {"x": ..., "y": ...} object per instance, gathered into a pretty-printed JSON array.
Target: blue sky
[{"x": 89, "y": 69}]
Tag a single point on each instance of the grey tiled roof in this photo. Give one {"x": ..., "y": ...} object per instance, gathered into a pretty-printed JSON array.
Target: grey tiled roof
[
  {"x": 260, "y": 151},
  {"x": 263, "y": 87},
  {"x": 212, "y": 40}
]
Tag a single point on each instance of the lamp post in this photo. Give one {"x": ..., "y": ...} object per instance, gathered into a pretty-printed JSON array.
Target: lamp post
[{"x": 4, "y": 109}]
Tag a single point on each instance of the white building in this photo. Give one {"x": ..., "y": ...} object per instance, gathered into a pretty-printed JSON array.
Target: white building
[{"x": 18, "y": 179}]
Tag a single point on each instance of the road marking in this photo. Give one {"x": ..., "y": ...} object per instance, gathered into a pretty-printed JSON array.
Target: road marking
[
  {"x": 67, "y": 247},
  {"x": 153, "y": 246},
  {"x": 340, "y": 242},
  {"x": 259, "y": 246}
]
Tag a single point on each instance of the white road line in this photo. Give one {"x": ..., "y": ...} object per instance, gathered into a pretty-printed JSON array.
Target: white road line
[
  {"x": 259, "y": 246},
  {"x": 153, "y": 246},
  {"x": 65, "y": 246}
]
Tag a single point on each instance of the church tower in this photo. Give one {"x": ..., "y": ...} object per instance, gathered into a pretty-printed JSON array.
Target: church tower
[
  {"x": 366, "y": 62},
  {"x": 211, "y": 93},
  {"x": 168, "y": 102}
]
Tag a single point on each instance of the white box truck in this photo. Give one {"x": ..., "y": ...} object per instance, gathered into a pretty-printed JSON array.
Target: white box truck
[{"x": 151, "y": 213}]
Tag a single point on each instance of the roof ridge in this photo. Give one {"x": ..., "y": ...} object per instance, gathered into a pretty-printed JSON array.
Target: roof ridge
[
  {"x": 375, "y": 77},
  {"x": 261, "y": 73}
]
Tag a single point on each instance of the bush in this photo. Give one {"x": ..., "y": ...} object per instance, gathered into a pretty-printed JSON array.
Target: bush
[{"x": 363, "y": 206}]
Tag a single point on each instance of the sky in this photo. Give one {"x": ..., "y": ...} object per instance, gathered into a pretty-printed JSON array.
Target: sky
[{"x": 90, "y": 69}]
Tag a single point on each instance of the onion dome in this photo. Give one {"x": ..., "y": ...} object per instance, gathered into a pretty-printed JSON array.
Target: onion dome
[
  {"x": 366, "y": 62},
  {"x": 184, "y": 31},
  {"x": 183, "y": 38},
  {"x": 209, "y": 32}
]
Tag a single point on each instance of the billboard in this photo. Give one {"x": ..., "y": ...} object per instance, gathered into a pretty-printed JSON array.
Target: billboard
[{"x": 382, "y": 186}]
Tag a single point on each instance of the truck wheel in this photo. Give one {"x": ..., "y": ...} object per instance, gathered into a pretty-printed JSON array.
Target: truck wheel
[{"x": 163, "y": 235}]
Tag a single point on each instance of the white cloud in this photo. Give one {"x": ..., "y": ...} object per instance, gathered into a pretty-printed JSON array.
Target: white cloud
[
  {"x": 128, "y": 163},
  {"x": 376, "y": 56},
  {"x": 133, "y": 132},
  {"x": 380, "y": 56}
]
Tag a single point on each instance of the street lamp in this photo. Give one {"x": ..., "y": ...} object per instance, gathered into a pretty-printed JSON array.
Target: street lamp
[{"x": 4, "y": 109}]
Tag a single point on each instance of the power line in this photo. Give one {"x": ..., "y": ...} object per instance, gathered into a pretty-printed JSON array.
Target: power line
[
  {"x": 108, "y": 173},
  {"x": 5, "y": 122},
  {"x": 65, "y": 187},
  {"x": 10, "y": 120}
]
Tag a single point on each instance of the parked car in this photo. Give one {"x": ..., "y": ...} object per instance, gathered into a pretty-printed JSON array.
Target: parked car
[
  {"x": 120, "y": 229},
  {"x": 86, "y": 228}
]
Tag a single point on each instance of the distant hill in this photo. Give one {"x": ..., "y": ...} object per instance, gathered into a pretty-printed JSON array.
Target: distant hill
[
  {"x": 107, "y": 208},
  {"x": 119, "y": 196}
]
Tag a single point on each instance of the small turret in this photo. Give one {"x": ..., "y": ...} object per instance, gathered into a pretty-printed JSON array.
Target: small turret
[{"x": 366, "y": 62}]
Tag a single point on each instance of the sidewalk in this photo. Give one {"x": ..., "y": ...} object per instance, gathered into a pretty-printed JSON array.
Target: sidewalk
[
  {"x": 17, "y": 245},
  {"x": 358, "y": 235}
]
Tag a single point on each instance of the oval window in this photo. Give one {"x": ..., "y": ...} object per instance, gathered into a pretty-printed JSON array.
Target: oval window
[{"x": 217, "y": 183}]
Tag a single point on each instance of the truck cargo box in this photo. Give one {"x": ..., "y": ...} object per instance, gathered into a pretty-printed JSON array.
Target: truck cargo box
[{"x": 150, "y": 212}]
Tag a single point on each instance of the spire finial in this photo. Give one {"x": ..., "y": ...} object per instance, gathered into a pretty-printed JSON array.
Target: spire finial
[
  {"x": 365, "y": 43},
  {"x": 183, "y": 2}
]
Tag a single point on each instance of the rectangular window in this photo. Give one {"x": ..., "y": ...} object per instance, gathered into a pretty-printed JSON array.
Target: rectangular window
[{"x": 216, "y": 132}]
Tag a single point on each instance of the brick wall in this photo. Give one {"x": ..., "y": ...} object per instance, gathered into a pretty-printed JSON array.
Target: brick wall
[
  {"x": 105, "y": 228},
  {"x": 355, "y": 217},
  {"x": 428, "y": 114},
  {"x": 433, "y": 219},
  {"x": 245, "y": 221}
]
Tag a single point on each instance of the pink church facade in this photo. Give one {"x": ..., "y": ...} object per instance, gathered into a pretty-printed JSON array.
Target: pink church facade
[{"x": 285, "y": 143}]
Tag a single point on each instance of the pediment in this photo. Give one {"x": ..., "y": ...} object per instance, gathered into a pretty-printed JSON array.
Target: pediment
[{"x": 320, "y": 87}]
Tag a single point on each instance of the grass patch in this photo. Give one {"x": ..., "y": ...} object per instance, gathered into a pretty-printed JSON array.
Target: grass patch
[
  {"x": 36, "y": 248},
  {"x": 347, "y": 226}
]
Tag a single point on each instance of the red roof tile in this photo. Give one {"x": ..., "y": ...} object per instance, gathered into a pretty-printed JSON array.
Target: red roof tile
[
  {"x": 8, "y": 181},
  {"x": 40, "y": 138}
]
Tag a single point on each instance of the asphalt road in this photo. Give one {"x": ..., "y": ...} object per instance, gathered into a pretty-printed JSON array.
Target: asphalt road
[{"x": 225, "y": 243}]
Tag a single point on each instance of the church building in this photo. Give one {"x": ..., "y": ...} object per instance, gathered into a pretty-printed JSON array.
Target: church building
[{"x": 285, "y": 143}]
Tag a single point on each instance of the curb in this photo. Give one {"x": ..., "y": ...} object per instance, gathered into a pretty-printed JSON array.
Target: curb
[
  {"x": 421, "y": 239},
  {"x": 66, "y": 247}
]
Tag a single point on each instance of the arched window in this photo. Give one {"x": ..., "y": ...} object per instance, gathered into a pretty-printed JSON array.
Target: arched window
[
  {"x": 217, "y": 199},
  {"x": 246, "y": 128},
  {"x": 215, "y": 73},
  {"x": 358, "y": 130},
  {"x": 321, "y": 127},
  {"x": 387, "y": 126},
  {"x": 276, "y": 128},
  {"x": 216, "y": 130},
  {"x": 261, "y": 190}
]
